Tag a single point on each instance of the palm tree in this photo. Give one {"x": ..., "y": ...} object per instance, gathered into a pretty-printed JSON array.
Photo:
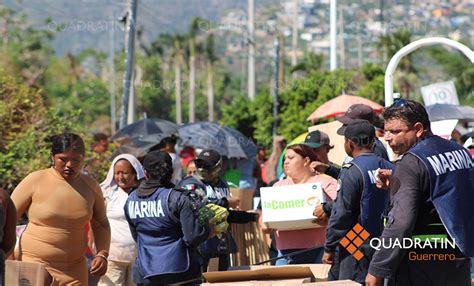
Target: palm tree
[
  {"x": 178, "y": 63},
  {"x": 193, "y": 32},
  {"x": 311, "y": 62},
  {"x": 211, "y": 59},
  {"x": 389, "y": 45},
  {"x": 171, "y": 46}
]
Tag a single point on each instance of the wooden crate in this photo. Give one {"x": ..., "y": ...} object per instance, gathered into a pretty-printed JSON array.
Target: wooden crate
[{"x": 251, "y": 244}]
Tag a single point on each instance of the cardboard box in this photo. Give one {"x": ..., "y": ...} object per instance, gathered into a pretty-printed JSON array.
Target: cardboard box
[
  {"x": 291, "y": 207},
  {"x": 275, "y": 275},
  {"x": 245, "y": 196},
  {"x": 291, "y": 282},
  {"x": 336, "y": 283},
  {"x": 19, "y": 273}
]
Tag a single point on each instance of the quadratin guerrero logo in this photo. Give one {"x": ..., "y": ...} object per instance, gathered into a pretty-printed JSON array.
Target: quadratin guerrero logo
[
  {"x": 353, "y": 240},
  {"x": 420, "y": 247}
]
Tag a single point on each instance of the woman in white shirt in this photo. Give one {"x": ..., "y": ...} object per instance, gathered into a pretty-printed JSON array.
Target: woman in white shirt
[{"x": 123, "y": 177}]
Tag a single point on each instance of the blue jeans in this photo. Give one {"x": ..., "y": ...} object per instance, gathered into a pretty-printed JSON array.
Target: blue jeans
[
  {"x": 93, "y": 280},
  {"x": 472, "y": 268},
  {"x": 307, "y": 257}
]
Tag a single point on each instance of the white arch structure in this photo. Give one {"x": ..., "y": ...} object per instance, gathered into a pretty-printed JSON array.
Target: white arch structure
[{"x": 392, "y": 65}]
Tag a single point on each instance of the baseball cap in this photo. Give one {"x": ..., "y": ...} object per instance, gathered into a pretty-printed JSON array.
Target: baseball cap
[
  {"x": 316, "y": 139},
  {"x": 359, "y": 131},
  {"x": 156, "y": 158},
  {"x": 357, "y": 111},
  {"x": 207, "y": 159}
]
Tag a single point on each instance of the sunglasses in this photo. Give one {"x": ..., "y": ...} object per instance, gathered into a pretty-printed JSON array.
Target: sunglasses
[
  {"x": 403, "y": 103},
  {"x": 400, "y": 102}
]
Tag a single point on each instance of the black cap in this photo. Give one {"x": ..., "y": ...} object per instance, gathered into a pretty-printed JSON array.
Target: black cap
[
  {"x": 360, "y": 131},
  {"x": 207, "y": 159},
  {"x": 357, "y": 111},
  {"x": 316, "y": 139},
  {"x": 156, "y": 158}
]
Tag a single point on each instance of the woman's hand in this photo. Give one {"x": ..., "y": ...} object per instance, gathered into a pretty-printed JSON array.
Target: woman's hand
[
  {"x": 265, "y": 229},
  {"x": 321, "y": 217},
  {"x": 99, "y": 265},
  {"x": 328, "y": 258}
]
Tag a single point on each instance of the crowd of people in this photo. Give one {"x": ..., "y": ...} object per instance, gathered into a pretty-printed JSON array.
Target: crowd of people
[{"x": 147, "y": 222}]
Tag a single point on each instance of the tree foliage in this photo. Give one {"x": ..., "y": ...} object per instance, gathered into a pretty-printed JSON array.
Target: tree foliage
[
  {"x": 43, "y": 93},
  {"x": 26, "y": 124}
]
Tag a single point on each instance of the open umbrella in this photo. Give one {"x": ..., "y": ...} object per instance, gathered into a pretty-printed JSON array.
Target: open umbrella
[
  {"x": 137, "y": 138},
  {"x": 146, "y": 127},
  {"x": 339, "y": 105},
  {"x": 225, "y": 140},
  {"x": 139, "y": 147},
  {"x": 442, "y": 111}
]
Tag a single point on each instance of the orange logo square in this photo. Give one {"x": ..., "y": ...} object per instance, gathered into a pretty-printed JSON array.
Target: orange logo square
[{"x": 353, "y": 240}]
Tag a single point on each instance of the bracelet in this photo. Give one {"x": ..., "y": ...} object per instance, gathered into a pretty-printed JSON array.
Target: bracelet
[{"x": 102, "y": 256}]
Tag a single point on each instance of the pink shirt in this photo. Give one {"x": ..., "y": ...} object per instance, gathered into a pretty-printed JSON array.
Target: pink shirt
[{"x": 306, "y": 238}]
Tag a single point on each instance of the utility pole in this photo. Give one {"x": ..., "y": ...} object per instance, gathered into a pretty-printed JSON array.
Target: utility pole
[
  {"x": 341, "y": 36},
  {"x": 129, "y": 51},
  {"x": 192, "y": 81},
  {"x": 177, "y": 84},
  {"x": 359, "y": 50},
  {"x": 381, "y": 17},
  {"x": 281, "y": 60},
  {"x": 113, "y": 120},
  {"x": 294, "y": 36},
  {"x": 275, "y": 87},
  {"x": 210, "y": 92},
  {"x": 132, "y": 99},
  {"x": 333, "y": 36},
  {"x": 251, "y": 47}
]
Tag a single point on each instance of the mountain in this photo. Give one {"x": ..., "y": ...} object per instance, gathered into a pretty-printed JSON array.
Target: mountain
[{"x": 88, "y": 23}]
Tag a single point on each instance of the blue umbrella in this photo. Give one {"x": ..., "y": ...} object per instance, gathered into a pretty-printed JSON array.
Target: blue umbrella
[
  {"x": 225, "y": 140},
  {"x": 442, "y": 111}
]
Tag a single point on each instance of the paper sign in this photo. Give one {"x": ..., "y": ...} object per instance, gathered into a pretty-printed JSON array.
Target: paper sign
[
  {"x": 444, "y": 128},
  {"x": 291, "y": 207},
  {"x": 441, "y": 92}
]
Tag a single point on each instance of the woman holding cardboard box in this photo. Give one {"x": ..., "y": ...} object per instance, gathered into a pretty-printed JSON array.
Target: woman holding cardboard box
[{"x": 299, "y": 168}]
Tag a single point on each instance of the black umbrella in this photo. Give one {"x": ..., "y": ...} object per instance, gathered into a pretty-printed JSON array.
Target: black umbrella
[
  {"x": 146, "y": 127},
  {"x": 137, "y": 138},
  {"x": 139, "y": 147},
  {"x": 225, "y": 140},
  {"x": 441, "y": 111}
]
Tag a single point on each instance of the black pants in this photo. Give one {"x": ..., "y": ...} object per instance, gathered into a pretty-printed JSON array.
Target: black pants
[
  {"x": 346, "y": 267},
  {"x": 192, "y": 276},
  {"x": 224, "y": 261}
]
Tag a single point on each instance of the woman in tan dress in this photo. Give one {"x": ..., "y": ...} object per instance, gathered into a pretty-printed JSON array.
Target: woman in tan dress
[{"x": 59, "y": 202}]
